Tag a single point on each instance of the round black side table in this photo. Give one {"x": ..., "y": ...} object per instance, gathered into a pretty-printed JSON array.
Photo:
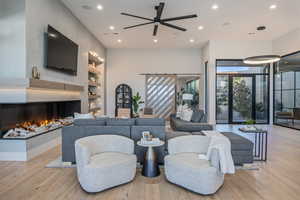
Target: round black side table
[{"x": 150, "y": 164}]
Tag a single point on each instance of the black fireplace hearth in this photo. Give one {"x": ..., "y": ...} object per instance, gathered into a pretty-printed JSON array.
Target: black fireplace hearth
[{"x": 13, "y": 114}]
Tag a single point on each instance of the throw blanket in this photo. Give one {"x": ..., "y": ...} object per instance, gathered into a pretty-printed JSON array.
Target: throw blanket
[{"x": 223, "y": 145}]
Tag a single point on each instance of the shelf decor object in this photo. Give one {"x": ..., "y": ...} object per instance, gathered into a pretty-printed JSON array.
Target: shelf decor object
[
  {"x": 259, "y": 60},
  {"x": 123, "y": 98},
  {"x": 95, "y": 83}
]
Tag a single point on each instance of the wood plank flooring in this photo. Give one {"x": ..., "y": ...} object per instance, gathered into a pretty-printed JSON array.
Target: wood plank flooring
[{"x": 278, "y": 178}]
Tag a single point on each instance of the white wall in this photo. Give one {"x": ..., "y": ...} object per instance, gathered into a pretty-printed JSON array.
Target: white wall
[
  {"x": 125, "y": 65},
  {"x": 12, "y": 39},
  {"x": 287, "y": 43},
  {"x": 229, "y": 50},
  {"x": 22, "y": 40}
]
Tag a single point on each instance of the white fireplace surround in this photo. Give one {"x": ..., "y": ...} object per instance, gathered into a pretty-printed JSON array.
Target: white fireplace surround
[{"x": 30, "y": 90}]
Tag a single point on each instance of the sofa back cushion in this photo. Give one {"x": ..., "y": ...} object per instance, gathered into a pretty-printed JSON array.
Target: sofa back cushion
[
  {"x": 197, "y": 116},
  {"x": 90, "y": 122},
  {"x": 187, "y": 115},
  {"x": 107, "y": 130},
  {"x": 150, "y": 122},
  {"x": 71, "y": 133},
  {"x": 120, "y": 122}
]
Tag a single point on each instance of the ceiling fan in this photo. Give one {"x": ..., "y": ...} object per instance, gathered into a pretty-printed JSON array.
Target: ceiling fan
[{"x": 157, "y": 20}]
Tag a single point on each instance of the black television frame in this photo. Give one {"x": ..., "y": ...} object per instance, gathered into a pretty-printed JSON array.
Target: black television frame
[{"x": 54, "y": 68}]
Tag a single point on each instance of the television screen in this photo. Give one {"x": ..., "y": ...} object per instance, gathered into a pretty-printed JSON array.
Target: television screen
[{"x": 62, "y": 53}]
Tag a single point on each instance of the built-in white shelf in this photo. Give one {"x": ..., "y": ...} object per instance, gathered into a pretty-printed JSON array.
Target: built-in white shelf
[{"x": 95, "y": 83}]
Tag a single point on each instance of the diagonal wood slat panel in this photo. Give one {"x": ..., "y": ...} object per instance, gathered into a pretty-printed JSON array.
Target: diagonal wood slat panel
[
  {"x": 156, "y": 87},
  {"x": 159, "y": 97},
  {"x": 155, "y": 98},
  {"x": 160, "y": 94}
]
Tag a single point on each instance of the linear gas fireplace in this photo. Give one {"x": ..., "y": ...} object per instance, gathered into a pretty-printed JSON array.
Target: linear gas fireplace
[{"x": 31, "y": 119}]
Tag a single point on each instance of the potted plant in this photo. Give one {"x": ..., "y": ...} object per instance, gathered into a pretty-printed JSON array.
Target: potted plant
[
  {"x": 250, "y": 124},
  {"x": 136, "y": 102}
]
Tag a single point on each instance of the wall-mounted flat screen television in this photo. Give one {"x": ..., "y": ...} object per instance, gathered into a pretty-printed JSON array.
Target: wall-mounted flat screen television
[{"x": 61, "y": 52}]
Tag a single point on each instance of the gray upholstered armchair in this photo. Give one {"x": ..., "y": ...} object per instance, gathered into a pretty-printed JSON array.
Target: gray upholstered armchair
[
  {"x": 104, "y": 161},
  {"x": 184, "y": 168}
]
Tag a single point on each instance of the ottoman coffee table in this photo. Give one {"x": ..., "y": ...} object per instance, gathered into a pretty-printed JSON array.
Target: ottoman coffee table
[{"x": 241, "y": 148}]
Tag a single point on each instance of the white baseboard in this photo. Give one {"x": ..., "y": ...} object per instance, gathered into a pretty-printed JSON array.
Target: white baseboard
[{"x": 13, "y": 156}]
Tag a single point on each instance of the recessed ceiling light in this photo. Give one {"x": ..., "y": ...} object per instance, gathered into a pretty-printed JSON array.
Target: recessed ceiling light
[
  {"x": 155, "y": 40},
  {"x": 119, "y": 40},
  {"x": 273, "y": 7},
  {"x": 200, "y": 27},
  {"x": 261, "y": 28},
  {"x": 192, "y": 40},
  {"x": 112, "y": 28},
  {"x": 100, "y": 7},
  {"x": 86, "y": 7},
  {"x": 251, "y": 33},
  {"x": 215, "y": 7},
  {"x": 226, "y": 24}
]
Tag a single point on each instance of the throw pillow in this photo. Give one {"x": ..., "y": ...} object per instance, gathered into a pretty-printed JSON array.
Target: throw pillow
[
  {"x": 83, "y": 116},
  {"x": 187, "y": 115},
  {"x": 197, "y": 116},
  {"x": 179, "y": 111}
]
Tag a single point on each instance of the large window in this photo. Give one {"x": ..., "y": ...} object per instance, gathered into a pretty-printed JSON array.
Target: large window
[
  {"x": 242, "y": 92},
  {"x": 287, "y": 91}
]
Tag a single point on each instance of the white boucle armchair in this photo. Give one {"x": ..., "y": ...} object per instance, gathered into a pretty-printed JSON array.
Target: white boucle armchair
[
  {"x": 183, "y": 166},
  {"x": 104, "y": 161}
]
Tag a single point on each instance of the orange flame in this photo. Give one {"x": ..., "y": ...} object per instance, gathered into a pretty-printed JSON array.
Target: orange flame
[{"x": 28, "y": 124}]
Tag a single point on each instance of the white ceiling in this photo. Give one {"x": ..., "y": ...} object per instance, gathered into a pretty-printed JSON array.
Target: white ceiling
[{"x": 243, "y": 17}]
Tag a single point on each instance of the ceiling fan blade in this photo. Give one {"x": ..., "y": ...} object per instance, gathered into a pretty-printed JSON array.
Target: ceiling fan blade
[
  {"x": 155, "y": 30},
  {"x": 179, "y": 18},
  {"x": 128, "y": 27},
  {"x": 173, "y": 26},
  {"x": 130, "y": 15},
  {"x": 160, "y": 9}
]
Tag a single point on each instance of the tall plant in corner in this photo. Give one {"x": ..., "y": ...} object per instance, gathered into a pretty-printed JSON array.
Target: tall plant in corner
[{"x": 136, "y": 102}]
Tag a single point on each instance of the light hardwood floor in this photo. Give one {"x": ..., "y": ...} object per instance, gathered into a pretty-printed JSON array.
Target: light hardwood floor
[{"x": 279, "y": 178}]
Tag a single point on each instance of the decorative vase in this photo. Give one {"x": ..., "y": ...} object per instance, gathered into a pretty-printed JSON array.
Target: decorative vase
[{"x": 35, "y": 73}]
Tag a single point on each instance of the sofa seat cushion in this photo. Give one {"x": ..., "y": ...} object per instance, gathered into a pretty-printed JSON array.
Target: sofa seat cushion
[
  {"x": 120, "y": 122},
  {"x": 110, "y": 159},
  {"x": 238, "y": 142}
]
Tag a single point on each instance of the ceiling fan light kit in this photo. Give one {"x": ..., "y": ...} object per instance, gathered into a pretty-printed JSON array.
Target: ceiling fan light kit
[
  {"x": 158, "y": 20},
  {"x": 259, "y": 60}
]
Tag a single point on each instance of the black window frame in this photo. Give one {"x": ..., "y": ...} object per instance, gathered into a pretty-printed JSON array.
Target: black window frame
[
  {"x": 242, "y": 74},
  {"x": 274, "y": 90}
]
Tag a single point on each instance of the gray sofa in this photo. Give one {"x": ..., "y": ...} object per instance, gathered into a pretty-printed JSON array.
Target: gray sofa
[
  {"x": 195, "y": 125},
  {"x": 131, "y": 128}
]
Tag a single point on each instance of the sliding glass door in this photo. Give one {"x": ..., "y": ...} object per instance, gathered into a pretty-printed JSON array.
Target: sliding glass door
[
  {"x": 241, "y": 100},
  {"x": 242, "y": 93}
]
